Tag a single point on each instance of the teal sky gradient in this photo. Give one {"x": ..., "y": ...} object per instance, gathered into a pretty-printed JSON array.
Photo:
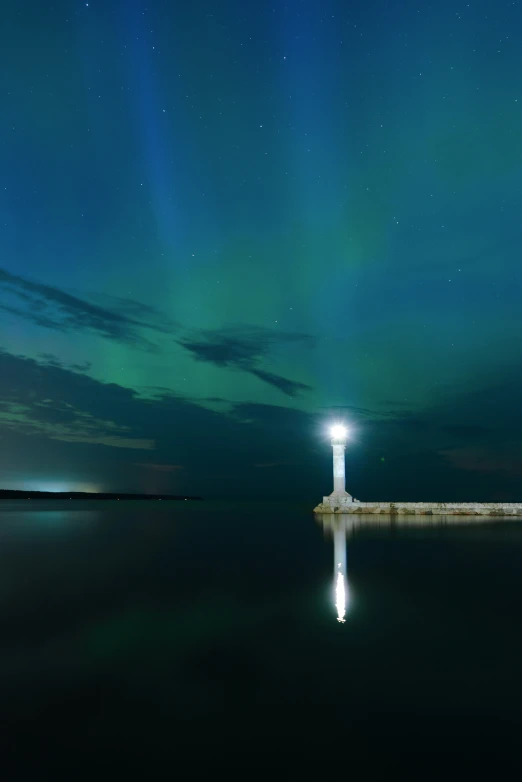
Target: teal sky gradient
[{"x": 241, "y": 215}]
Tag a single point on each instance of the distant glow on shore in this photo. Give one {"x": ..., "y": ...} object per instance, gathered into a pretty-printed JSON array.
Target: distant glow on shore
[
  {"x": 339, "y": 432},
  {"x": 340, "y": 597},
  {"x": 56, "y": 486}
]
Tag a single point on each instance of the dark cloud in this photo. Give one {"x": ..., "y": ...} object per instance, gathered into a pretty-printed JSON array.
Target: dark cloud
[
  {"x": 276, "y": 416},
  {"x": 336, "y": 412},
  {"x": 53, "y": 361},
  {"x": 466, "y": 445},
  {"x": 288, "y": 387},
  {"x": 48, "y": 401},
  {"x": 50, "y": 359},
  {"x": 243, "y": 348},
  {"x": 137, "y": 311},
  {"x": 240, "y": 348},
  {"x": 53, "y": 308},
  {"x": 58, "y": 423},
  {"x": 83, "y": 367}
]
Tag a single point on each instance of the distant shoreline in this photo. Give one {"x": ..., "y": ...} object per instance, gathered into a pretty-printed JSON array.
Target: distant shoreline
[{"x": 11, "y": 494}]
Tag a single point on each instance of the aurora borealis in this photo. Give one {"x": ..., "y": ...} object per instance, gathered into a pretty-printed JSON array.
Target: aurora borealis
[{"x": 221, "y": 220}]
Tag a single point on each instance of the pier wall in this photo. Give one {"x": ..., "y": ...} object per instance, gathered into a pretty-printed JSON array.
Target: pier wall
[{"x": 348, "y": 505}]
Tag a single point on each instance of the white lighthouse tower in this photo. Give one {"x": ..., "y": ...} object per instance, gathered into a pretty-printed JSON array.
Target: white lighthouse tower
[
  {"x": 339, "y": 434},
  {"x": 339, "y": 501}
]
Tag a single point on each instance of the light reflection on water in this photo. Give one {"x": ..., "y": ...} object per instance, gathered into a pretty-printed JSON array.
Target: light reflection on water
[
  {"x": 336, "y": 526},
  {"x": 340, "y": 527},
  {"x": 132, "y": 623}
]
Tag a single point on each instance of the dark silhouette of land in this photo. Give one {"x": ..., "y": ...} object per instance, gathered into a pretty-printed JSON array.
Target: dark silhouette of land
[{"x": 11, "y": 494}]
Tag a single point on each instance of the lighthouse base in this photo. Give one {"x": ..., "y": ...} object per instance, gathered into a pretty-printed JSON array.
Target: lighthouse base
[{"x": 338, "y": 503}]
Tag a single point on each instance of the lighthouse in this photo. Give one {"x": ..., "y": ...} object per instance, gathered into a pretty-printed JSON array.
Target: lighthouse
[{"x": 339, "y": 434}]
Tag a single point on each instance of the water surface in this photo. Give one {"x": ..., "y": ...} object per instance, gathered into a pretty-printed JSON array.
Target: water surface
[{"x": 208, "y": 633}]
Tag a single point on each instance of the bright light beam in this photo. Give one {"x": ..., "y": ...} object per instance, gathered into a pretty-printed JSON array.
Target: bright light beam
[{"x": 338, "y": 432}]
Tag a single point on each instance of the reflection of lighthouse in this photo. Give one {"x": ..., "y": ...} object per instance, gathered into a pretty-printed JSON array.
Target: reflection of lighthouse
[
  {"x": 338, "y": 525},
  {"x": 340, "y": 581}
]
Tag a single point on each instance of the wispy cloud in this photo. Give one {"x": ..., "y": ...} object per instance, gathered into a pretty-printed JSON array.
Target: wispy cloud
[
  {"x": 55, "y": 421},
  {"x": 42, "y": 398},
  {"x": 49, "y": 359},
  {"x": 288, "y": 387},
  {"x": 52, "y": 308},
  {"x": 66, "y": 423},
  {"x": 243, "y": 348},
  {"x": 142, "y": 314}
]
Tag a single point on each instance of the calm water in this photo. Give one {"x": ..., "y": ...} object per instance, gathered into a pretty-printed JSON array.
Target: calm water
[{"x": 206, "y": 635}]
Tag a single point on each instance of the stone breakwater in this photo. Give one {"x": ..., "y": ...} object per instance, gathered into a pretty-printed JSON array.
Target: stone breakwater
[{"x": 347, "y": 505}]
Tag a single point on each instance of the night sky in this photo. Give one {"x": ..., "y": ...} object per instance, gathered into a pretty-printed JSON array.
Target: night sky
[{"x": 221, "y": 220}]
